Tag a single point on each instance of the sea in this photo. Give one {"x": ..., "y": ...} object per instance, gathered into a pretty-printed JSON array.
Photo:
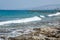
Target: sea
[
  {"x": 14, "y": 21},
  {"x": 9, "y": 17},
  {"x": 21, "y": 14}
]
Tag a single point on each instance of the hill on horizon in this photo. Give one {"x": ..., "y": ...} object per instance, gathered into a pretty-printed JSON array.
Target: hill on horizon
[{"x": 47, "y": 7}]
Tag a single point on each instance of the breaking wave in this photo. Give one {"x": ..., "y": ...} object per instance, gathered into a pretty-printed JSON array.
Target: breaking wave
[
  {"x": 42, "y": 16},
  {"x": 56, "y": 14},
  {"x": 35, "y": 18}
]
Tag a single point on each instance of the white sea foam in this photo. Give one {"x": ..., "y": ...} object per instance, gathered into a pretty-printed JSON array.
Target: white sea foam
[
  {"x": 42, "y": 16},
  {"x": 35, "y": 18},
  {"x": 50, "y": 15},
  {"x": 18, "y": 32}
]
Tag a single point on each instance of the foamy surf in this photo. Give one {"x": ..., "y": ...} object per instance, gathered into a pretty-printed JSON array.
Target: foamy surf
[
  {"x": 42, "y": 16},
  {"x": 50, "y": 15},
  {"x": 21, "y": 32},
  {"x": 35, "y": 18}
]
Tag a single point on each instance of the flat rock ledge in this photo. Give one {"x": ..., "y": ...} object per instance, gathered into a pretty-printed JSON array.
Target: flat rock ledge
[{"x": 47, "y": 33}]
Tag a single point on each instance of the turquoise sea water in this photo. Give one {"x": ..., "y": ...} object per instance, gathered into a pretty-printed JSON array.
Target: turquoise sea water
[
  {"x": 19, "y": 14},
  {"x": 10, "y": 18}
]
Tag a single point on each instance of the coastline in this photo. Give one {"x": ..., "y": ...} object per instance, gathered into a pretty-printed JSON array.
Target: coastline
[
  {"x": 31, "y": 30},
  {"x": 35, "y": 29}
]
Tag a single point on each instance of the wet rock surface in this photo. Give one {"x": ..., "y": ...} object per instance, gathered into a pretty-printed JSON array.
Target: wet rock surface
[{"x": 47, "y": 33}]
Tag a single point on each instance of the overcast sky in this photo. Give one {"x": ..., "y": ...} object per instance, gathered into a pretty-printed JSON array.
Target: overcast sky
[{"x": 25, "y": 4}]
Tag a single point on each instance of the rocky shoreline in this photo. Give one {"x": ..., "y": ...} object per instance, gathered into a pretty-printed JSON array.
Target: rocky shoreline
[
  {"x": 47, "y": 33},
  {"x": 40, "y": 30}
]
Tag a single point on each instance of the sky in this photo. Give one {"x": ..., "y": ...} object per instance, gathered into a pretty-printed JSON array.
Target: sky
[{"x": 25, "y": 4}]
